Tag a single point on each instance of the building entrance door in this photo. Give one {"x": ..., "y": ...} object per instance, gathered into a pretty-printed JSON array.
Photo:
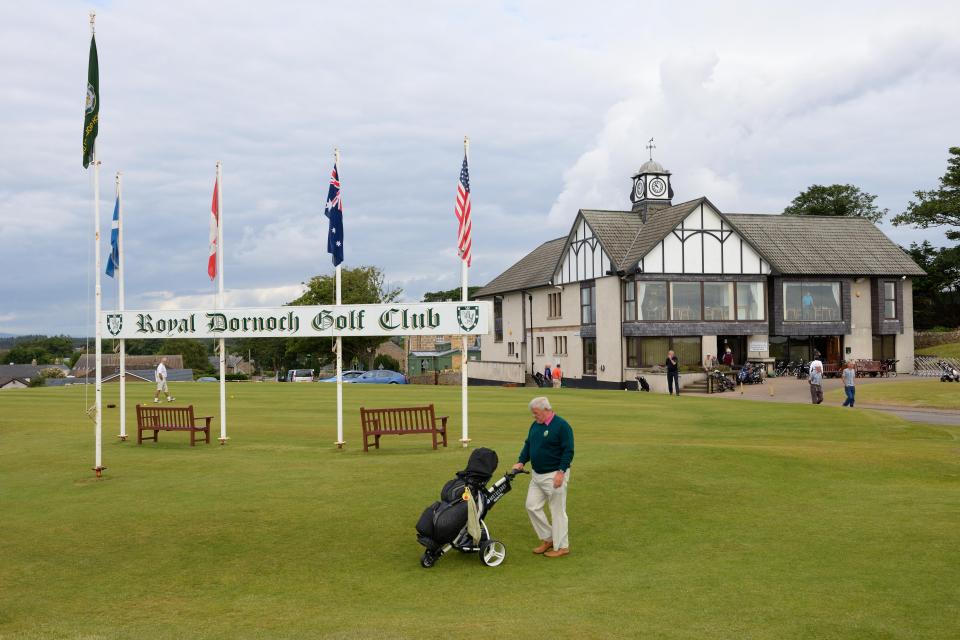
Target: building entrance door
[
  {"x": 737, "y": 344},
  {"x": 830, "y": 348},
  {"x": 589, "y": 356}
]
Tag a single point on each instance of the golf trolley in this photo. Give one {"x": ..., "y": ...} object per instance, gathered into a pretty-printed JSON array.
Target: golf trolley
[{"x": 443, "y": 526}]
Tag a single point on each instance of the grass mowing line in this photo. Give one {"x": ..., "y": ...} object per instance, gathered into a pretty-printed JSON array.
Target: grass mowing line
[
  {"x": 778, "y": 521},
  {"x": 926, "y": 393}
]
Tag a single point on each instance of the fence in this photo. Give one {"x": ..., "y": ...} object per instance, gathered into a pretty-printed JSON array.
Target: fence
[{"x": 932, "y": 366}]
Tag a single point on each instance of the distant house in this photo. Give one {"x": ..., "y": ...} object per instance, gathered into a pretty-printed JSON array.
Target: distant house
[
  {"x": 24, "y": 371},
  {"x": 13, "y": 383},
  {"x": 395, "y": 351},
  {"x": 234, "y": 364},
  {"x": 86, "y": 365},
  {"x": 438, "y": 353}
]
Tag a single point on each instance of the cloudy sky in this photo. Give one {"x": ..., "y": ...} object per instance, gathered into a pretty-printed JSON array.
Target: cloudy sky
[{"x": 748, "y": 105}]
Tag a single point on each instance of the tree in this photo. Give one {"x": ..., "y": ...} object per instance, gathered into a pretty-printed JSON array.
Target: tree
[
  {"x": 938, "y": 207},
  {"x": 388, "y": 362},
  {"x": 361, "y": 285},
  {"x": 841, "y": 200},
  {"x": 42, "y": 349},
  {"x": 450, "y": 295},
  {"x": 936, "y": 296}
]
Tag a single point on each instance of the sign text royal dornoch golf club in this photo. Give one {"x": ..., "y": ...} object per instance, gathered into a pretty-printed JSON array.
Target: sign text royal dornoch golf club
[{"x": 439, "y": 318}]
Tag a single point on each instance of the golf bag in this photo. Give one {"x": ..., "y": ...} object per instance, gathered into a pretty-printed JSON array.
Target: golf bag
[
  {"x": 443, "y": 525},
  {"x": 642, "y": 384}
]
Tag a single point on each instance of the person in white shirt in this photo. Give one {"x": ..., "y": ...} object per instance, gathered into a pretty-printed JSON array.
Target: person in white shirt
[
  {"x": 816, "y": 379},
  {"x": 161, "y": 377}
]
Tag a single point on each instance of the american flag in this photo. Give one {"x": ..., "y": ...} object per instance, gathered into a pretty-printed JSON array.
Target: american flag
[
  {"x": 334, "y": 212},
  {"x": 465, "y": 230}
]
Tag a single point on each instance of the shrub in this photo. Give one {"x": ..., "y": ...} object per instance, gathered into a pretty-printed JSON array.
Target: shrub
[
  {"x": 388, "y": 362},
  {"x": 52, "y": 372},
  {"x": 37, "y": 381},
  {"x": 234, "y": 377}
]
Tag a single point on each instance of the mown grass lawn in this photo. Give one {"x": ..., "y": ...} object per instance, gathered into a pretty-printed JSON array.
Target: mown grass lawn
[
  {"x": 690, "y": 518},
  {"x": 946, "y": 350},
  {"x": 922, "y": 393}
]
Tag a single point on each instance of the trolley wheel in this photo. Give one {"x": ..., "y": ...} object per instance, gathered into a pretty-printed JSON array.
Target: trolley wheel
[
  {"x": 427, "y": 560},
  {"x": 492, "y": 553},
  {"x": 892, "y": 373}
]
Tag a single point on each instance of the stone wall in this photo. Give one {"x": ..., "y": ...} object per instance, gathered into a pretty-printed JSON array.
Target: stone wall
[{"x": 932, "y": 338}]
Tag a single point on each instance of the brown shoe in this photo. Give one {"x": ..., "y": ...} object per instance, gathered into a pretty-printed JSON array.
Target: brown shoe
[
  {"x": 556, "y": 553},
  {"x": 544, "y": 547}
]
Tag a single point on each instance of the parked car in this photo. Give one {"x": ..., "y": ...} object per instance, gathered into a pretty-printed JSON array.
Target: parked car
[
  {"x": 300, "y": 375},
  {"x": 208, "y": 379},
  {"x": 381, "y": 376},
  {"x": 348, "y": 376}
]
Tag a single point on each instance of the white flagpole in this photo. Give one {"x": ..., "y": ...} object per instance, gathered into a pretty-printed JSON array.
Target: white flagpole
[
  {"x": 98, "y": 419},
  {"x": 340, "y": 442},
  {"x": 121, "y": 267},
  {"x": 465, "y": 440},
  {"x": 220, "y": 304}
]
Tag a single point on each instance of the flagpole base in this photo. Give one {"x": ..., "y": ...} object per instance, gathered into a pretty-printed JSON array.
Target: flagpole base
[
  {"x": 99, "y": 471},
  {"x": 122, "y": 437},
  {"x": 223, "y": 440},
  {"x": 340, "y": 445},
  {"x": 464, "y": 442}
]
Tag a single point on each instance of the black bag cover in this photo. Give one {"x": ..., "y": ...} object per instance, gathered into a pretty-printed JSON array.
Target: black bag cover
[
  {"x": 453, "y": 490},
  {"x": 448, "y": 520},
  {"x": 480, "y": 467},
  {"x": 644, "y": 385},
  {"x": 425, "y": 523}
]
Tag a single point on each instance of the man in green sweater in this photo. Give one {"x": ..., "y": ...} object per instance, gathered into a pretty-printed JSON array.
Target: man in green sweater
[{"x": 549, "y": 449}]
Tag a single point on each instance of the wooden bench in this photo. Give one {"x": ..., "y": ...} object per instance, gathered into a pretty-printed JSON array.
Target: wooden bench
[
  {"x": 401, "y": 420},
  {"x": 160, "y": 418},
  {"x": 870, "y": 368}
]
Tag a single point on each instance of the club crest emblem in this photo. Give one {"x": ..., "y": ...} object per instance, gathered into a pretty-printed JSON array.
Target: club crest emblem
[
  {"x": 468, "y": 316},
  {"x": 546, "y": 432},
  {"x": 114, "y": 323},
  {"x": 91, "y": 99}
]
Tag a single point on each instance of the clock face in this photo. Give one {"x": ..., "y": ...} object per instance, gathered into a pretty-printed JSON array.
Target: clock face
[
  {"x": 638, "y": 189},
  {"x": 658, "y": 187}
]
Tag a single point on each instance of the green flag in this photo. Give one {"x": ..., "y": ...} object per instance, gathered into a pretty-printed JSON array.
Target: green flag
[{"x": 91, "y": 116}]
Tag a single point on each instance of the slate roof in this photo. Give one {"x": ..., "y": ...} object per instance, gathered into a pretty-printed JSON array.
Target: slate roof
[
  {"x": 21, "y": 370},
  {"x": 533, "y": 270},
  {"x": 793, "y": 245},
  {"x": 5, "y": 380},
  {"x": 87, "y": 362},
  {"x": 823, "y": 245}
]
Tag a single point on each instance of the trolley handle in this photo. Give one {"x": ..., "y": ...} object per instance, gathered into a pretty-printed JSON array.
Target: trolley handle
[{"x": 513, "y": 473}]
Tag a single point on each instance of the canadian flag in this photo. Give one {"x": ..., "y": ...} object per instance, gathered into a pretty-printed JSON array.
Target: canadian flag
[{"x": 214, "y": 227}]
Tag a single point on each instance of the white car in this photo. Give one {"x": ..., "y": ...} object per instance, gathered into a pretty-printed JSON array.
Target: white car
[{"x": 300, "y": 375}]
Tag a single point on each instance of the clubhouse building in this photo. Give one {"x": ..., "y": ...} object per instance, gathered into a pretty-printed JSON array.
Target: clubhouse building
[{"x": 610, "y": 298}]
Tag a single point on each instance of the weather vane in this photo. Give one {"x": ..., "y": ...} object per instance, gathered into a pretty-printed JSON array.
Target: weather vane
[{"x": 651, "y": 147}]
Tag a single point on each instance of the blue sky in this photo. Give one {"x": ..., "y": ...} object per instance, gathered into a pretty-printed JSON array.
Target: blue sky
[{"x": 749, "y": 104}]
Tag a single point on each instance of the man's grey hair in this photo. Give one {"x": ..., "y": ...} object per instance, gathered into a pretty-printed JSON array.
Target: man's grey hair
[{"x": 540, "y": 402}]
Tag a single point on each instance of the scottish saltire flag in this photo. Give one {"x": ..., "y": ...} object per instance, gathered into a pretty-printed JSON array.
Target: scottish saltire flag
[
  {"x": 91, "y": 110},
  {"x": 113, "y": 262},
  {"x": 214, "y": 229},
  {"x": 465, "y": 230},
  {"x": 334, "y": 212}
]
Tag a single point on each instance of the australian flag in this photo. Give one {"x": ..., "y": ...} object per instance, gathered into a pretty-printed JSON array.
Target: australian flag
[
  {"x": 334, "y": 212},
  {"x": 113, "y": 262}
]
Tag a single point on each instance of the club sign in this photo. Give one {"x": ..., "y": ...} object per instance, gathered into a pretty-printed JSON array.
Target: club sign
[{"x": 438, "y": 318}]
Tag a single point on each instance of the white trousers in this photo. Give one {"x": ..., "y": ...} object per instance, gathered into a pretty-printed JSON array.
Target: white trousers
[{"x": 540, "y": 493}]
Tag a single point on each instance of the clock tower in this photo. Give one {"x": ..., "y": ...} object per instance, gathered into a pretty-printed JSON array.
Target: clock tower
[{"x": 652, "y": 190}]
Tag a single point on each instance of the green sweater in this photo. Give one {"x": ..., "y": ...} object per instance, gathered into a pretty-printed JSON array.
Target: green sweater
[{"x": 548, "y": 448}]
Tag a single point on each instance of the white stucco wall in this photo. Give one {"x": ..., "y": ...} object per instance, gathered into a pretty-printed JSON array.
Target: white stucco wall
[
  {"x": 904, "y": 343},
  {"x": 860, "y": 338}
]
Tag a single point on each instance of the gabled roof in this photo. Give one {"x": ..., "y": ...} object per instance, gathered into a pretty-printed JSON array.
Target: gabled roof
[
  {"x": 659, "y": 224},
  {"x": 533, "y": 270},
  {"x": 823, "y": 245},
  {"x": 615, "y": 230}
]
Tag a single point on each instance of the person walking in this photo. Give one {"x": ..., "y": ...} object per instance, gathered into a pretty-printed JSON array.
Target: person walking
[
  {"x": 549, "y": 450},
  {"x": 849, "y": 383},
  {"x": 557, "y": 374},
  {"x": 673, "y": 372},
  {"x": 816, "y": 379},
  {"x": 547, "y": 373},
  {"x": 160, "y": 375},
  {"x": 727, "y": 358}
]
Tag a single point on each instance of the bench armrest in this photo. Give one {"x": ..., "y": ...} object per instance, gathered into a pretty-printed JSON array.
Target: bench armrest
[
  {"x": 443, "y": 422},
  {"x": 207, "y": 419}
]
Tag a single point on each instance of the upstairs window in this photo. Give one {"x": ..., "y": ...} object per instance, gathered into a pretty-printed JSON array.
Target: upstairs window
[
  {"x": 685, "y": 300},
  {"x": 811, "y": 302},
  {"x": 652, "y": 301},
  {"x": 629, "y": 301},
  {"x": 588, "y": 303},
  {"x": 889, "y": 300},
  {"x": 553, "y": 305}
]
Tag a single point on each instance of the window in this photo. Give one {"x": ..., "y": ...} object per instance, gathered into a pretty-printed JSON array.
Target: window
[
  {"x": 629, "y": 301},
  {"x": 684, "y": 300},
  {"x": 588, "y": 303},
  {"x": 589, "y": 356},
  {"x": 553, "y": 303},
  {"x": 560, "y": 345},
  {"x": 653, "y": 300},
  {"x": 498, "y": 319},
  {"x": 718, "y": 301},
  {"x": 811, "y": 302},
  {"x": 750, "y": 304},
  {"x": 884, "y": 347},
  {"x": 511, "y": 348},
  {"x": 890, "y": 301},
  {"x": 652, "y": 351},
  {"x": 540, "y": 346}
]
